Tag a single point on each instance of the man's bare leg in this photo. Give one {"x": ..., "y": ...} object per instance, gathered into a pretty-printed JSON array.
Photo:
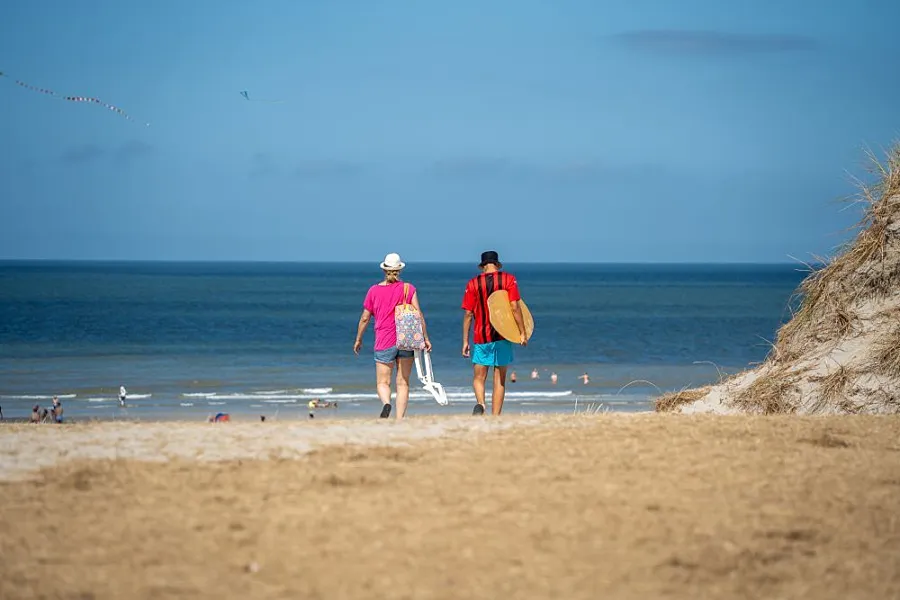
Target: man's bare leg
[
  {"x": 480, "y": 375},
  {"x": 498, "y": 394}
]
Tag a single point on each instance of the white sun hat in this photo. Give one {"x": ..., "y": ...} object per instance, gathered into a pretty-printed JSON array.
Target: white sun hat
[{"x": 392, "y": 262}]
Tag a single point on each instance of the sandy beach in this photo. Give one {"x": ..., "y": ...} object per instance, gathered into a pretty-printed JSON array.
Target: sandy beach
[{"x": 587, "y": 506}]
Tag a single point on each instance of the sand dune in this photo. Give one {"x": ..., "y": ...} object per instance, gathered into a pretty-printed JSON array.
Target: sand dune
[{"x": 840, "y": 352}]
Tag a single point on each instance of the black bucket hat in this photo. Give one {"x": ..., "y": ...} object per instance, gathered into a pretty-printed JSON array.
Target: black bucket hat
[{"x": 490, "y": 257}]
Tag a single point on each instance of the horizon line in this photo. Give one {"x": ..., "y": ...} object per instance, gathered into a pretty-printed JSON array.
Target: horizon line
[{"x": 369, "y": 262}]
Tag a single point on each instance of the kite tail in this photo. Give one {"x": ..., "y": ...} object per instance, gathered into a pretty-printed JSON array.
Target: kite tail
[{"x": 51, "y": 93}]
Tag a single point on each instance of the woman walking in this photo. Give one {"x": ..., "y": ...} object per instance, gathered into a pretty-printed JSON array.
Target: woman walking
[{"x": 381, "y": 301}]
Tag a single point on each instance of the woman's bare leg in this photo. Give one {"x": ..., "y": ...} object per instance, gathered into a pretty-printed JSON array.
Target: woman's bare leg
[
  {"x": 383, "y": 381},
  {"x": 404, "y": 368}
]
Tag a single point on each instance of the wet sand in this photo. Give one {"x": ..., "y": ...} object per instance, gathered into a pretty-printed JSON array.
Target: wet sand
[{"x": 616, "y": 506}]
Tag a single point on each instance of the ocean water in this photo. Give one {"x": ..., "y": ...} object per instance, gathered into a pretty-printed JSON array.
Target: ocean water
[{"x": 193, "y": 339}]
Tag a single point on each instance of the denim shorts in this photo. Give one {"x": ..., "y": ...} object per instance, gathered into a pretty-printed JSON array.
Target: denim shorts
[{"x": 389, "y": 355}]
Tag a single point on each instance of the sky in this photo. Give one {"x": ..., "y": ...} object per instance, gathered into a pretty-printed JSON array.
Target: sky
[{"x": 550, "y": 131}]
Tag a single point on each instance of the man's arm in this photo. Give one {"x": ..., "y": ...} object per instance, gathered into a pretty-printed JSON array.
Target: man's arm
[
  {"x": 520, "y": 321},
  {"x": 467, "y": 325}
]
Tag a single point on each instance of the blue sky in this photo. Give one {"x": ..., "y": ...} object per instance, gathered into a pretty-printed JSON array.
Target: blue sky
[{"x": 652, "y": 130}]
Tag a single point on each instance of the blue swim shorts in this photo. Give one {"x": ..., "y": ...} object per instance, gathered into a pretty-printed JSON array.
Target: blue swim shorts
[
  {"x": 493, "y": 354},
  {"x": 389, "y": 355}
]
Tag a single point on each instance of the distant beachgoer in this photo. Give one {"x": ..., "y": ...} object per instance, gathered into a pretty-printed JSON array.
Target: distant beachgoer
[
  {"x": 512, "y": 377},
  {"x": 553, "y": 378},
  {"x": 57, "y": 410},
  {"x": 535, "y": 374},
  {"x": 311, "y": 405},
  {"x": 380, "y": 302},
  {"x": 123, "y": 394},
  {"x": 36, "y": 413},
  {"x": 262, "y": 418},
  {"x": 45, "y": 415},
  {"x": 1, "y": 413},
  {"x": 220, "y": 418},
  {"x": 490, "y": 348},
  {"x": 585, "y": 378}
]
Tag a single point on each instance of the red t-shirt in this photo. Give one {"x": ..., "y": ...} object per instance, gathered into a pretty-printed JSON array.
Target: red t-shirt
[{"x": 475, "y": 300}]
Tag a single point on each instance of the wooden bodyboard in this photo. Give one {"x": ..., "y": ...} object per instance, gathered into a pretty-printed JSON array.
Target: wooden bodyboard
[{"x": 503, "y": 319}]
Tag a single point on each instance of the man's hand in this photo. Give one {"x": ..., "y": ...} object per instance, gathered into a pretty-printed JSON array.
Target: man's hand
[
  {"x": 356, "y": 346},
  {"x": 466, "y": 350}
]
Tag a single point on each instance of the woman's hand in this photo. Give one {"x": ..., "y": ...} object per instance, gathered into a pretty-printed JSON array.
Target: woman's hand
[
  {"x": 356, "y": 346},
  {"x": 427, "y": 345}
]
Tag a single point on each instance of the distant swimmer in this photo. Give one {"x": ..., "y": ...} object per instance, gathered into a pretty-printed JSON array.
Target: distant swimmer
[
  {"x": 123, "y": 394},
  {"x": 57, "y": 410},
  {"x": 585, "y": 379},
  {"x": 553, "y": 378},
  {"x": 534, "y": 374},
  {"x": 512, "y": 377}
]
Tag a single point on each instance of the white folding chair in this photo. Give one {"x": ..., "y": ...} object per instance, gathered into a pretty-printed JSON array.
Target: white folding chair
[{"x": 425, "y": 373}]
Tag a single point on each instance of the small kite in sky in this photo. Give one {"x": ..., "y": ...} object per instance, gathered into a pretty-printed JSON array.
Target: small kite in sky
[
  {"x": 53, "y": 94},
  {"x": 247, "y": 97}
]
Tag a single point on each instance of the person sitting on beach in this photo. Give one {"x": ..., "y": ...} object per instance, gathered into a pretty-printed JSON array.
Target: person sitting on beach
[
  {"x": 57, "y": 410},
  {"x": 36, "y": 413},
  {"x": 380, "y": 302}
]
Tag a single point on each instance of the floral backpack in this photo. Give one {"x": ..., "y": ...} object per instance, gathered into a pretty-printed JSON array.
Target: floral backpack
[{"x": 409, "y": 324}]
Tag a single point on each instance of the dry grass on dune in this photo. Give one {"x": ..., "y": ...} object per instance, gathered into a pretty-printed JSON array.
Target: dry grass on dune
[
  {"x": 615, "y": 506},
  {"x": 846, "y": 328},
  {"x": 671, "y": 401},
  {"x": 886, "y": 357},
  {"x": 769, "y": 394},
  {"x": 833, "y": 389},
  {"x": 867, "y": 269}
]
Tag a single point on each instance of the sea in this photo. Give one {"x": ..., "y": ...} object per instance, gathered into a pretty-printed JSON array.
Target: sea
[{"x": 189, "y": 340}]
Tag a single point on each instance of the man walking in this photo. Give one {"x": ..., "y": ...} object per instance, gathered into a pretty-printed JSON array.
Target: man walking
[{"x": 490, "y": 348}]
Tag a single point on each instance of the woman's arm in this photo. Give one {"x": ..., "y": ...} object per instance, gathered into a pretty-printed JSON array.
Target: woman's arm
[
  {"x": 364, "y": 319},
  {"x": 415, "y": 303}
]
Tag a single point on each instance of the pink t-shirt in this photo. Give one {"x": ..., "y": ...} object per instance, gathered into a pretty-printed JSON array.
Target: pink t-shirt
[{"x": 381, "y": 300}]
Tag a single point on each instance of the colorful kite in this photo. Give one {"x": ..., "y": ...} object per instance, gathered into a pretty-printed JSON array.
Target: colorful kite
[
  {"x": 53, "y": 94},
  {"x": 247, "y": 97}
]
